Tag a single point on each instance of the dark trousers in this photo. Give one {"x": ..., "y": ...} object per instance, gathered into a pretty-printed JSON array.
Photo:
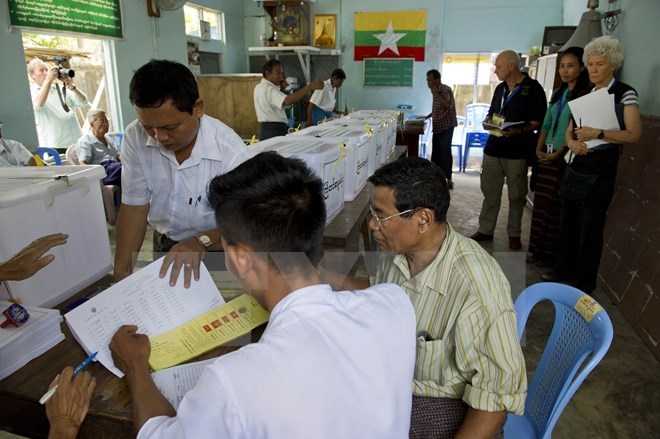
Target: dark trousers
[
  {"x": 442, "y": 151},
  {"x": 272, "y": 129},
  {"x": 113, "y": 173}
]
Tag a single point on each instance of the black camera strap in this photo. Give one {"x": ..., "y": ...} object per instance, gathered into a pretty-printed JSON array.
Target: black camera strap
[{"x": 62, "y": 95}]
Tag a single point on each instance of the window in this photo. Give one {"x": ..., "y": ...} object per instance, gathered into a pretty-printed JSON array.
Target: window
[{"x": 194, "y": 14}]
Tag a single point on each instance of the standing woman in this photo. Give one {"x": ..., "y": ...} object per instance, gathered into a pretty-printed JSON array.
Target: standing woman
[
  {"x": 550, "y": 150},
  {"x": 583, "y": 216}
]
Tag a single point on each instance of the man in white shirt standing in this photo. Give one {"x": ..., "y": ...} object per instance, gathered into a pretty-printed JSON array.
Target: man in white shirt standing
[
  {"x": 270, "y": 100},
  {"x": 323, "y": 102},
  {"x": 329, "y": 364},
  {"x": 54, "y": 105},
  {"x": 169, "y": 154}
]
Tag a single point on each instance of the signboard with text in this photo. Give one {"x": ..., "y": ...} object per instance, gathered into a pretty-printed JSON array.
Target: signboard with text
[{"x": 93, "y": 17}]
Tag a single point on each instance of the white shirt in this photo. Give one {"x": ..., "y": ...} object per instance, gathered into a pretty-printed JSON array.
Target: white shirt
[
  {"x": 329, "y": 365},
  {"x": 325, "y": 98},
  {"x": 90, "y": 149},
  {"x": 269, "y": 102},
  {"x": 57, "y": 128},
  {"x": 13, "y": 153},
  {"x": 177, "y": 193}
]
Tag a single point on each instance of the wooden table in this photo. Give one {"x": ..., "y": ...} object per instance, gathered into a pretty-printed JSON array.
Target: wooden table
[{"x": 409, "y": 135}]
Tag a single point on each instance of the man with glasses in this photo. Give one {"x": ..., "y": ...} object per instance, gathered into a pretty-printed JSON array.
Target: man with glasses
[
  {"x": 98, "y": 148},
  {"x": 469, "y": 370}
]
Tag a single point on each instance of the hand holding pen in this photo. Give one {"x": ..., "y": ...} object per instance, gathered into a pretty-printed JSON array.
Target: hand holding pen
[{"x": 60, "y": 378}]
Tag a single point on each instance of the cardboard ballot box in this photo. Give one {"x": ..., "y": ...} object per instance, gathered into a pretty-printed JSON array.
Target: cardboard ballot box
[
  {"x": 324, "y": 157},
  {"x": 38, "y": 201}
]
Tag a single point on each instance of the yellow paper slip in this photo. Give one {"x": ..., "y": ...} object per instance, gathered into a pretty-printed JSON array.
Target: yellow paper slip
[{"x": 206, "y": 332}]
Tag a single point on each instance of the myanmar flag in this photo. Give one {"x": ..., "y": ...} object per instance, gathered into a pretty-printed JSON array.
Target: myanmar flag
[{"x": 400, "y": 34}]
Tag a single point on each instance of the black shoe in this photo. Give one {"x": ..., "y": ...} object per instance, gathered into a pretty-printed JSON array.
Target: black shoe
[
  {"x": 450, "y": 184},
  {"x": 479, "y": 237}
]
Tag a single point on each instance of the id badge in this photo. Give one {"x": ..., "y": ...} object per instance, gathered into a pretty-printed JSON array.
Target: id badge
[
  {"x": 497, "y": 119},
  {"x": 549, "y": 148}
]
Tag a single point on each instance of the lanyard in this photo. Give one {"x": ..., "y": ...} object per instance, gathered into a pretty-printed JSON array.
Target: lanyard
[
  {"x": 561, "y": 104},
  {"x": 508, "y": 98}
]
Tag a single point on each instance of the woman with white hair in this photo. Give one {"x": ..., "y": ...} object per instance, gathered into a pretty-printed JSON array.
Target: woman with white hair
[{"x": 589, "y": 180}]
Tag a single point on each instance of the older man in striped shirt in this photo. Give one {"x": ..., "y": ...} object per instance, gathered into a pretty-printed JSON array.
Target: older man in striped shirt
[{"x": 469, "y": 370}]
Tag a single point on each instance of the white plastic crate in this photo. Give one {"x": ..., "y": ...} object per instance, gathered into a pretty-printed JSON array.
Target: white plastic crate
[
  {"x": 324, "y": 157},
  {"x": 38, "y": 201}
]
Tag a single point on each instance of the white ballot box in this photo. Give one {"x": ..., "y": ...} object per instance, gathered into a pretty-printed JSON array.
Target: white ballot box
[
  {"x": 324, "y": 157},
  {"x": 358, "y": 145},
  {"x": 38, "y": 201}
]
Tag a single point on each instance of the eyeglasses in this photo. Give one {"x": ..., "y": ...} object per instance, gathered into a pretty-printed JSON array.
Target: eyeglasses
[
  {"x": 380, "y": 221},
  {"x": 103, "y": 121}
]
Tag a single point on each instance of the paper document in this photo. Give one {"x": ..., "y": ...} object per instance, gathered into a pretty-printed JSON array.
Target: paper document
[
  {"x": 142, "y": 299},
  {"x": 595, "y": 110},
  {"x": 496, "y": 130},
  {"x": 175, "y": 382},
  {"x": 206, "y": 332}
]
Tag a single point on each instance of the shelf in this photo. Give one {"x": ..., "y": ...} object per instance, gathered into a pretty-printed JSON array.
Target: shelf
[{"x": 303, "y": 53}]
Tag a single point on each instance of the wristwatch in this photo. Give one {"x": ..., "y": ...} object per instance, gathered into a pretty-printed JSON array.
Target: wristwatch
[
  {"x": 205, "y": 240},
  {"x": 601, "y": 135}
]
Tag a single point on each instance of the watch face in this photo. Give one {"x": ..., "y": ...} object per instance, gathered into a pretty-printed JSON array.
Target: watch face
[{"x": 204, "y": 240}]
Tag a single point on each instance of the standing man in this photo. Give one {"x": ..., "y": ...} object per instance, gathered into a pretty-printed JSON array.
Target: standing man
[
  {"x": 270, "y": 100},
  {"x": 323, "y": 102},
  {"x": 169, "y": 155},
  {"x": 328, "y": 365},
  {"x": 54, "y": 105},
  {"x": 469, "y": 370},
  {"x": 518, "y": 98},
  {"x": 97, "y": 147},
  {"x": 443, "y": 116}
]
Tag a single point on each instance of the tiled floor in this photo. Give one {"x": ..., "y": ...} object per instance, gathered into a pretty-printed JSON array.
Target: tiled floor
[{"x": 621, "y": 398}]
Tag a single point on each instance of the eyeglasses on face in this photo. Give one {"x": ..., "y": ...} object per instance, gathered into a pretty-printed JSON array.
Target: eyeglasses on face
[{"x": 380, "y": 221}]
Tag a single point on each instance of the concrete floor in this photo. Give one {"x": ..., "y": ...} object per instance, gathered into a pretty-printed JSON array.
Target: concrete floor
[{"x": 621, "y": 397}]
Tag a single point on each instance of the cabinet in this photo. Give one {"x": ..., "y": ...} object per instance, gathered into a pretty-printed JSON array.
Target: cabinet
[{"x": 547, "y": 73}]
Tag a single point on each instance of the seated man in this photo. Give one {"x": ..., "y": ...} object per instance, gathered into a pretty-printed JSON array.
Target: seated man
[
  {"x": 97, "y": 148},
  {"x": 323, "y": 102},
  {"x": 469, "y": 370},
  {"x": 13, "y": 153},
  {"x": 329, "y": 364}
]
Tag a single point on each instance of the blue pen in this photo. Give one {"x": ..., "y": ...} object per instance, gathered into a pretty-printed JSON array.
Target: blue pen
[{"x": 80, "y": 367}]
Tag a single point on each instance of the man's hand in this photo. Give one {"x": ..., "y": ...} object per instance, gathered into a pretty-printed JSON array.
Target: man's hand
[
  {"x": 53, "y": 73},
  {"x": 187, "y": 254},
  {"x": 315, "y": 85},
  {"x": 130, "y": 350},
  {"x": 31, "y": 259},
  {"x": 68, "y": 407},
  {"x": 512, "y": 131}
]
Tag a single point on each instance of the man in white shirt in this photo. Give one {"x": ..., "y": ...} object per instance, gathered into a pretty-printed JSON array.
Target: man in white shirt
[
  {"x": 13, "y": 153},
  {"x": 98, "y": 147},
  {"x": 329, "y": 364},
  {"x": 270, "y": 100},
  {"x": 169, "y": 155},
  {"x": 54, "y": 105},
  {"x": 323, "y": 102}
]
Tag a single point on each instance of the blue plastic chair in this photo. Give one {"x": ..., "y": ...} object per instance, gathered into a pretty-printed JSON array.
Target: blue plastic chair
[
  {"x": 42, "y": 151},
  {"x": 475, "y": 135},
  {"x": 457, "y": 140},
  {"x": 425, "y": 139},
  {"x": 582, "y": 329}
]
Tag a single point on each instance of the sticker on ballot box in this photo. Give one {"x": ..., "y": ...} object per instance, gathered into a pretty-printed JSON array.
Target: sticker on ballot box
[{"x": 587, "y": 307}]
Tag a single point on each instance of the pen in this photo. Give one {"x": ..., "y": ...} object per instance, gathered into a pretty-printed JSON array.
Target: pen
[{"x": 80, "y": 367}]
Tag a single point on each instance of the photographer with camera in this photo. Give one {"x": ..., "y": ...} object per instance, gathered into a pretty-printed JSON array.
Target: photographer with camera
[{"x": 53, "y": 103}]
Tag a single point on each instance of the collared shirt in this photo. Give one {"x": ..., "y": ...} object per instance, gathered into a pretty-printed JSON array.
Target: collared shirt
[
  {"x": 13, "y": 153},
  {"x": 443, "y": 118},
  {"x": 326, "y": 98},
  {"x": 56, "y": 127},
  {"x": 269, "y": 102},
  {"x": 177, "y": 193},
  {"x": 92, "y": 151},
  {"x": 329, "y": 365},
  {"x": 467, "y": 346}
]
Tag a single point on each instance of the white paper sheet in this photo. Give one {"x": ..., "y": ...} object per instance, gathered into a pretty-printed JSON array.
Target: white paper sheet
[
  {"x": 175, "y": 382},
  {"x": 142, "y": 299},
  {"x": 595, "y": 110}
]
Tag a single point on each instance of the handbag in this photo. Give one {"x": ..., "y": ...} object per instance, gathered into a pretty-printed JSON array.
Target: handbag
[{"x": 575, "y": 186}]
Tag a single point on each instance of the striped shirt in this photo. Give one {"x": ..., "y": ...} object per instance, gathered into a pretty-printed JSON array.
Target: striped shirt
[
  {"x": 443, "y": 118},
  {"x": 467, "y": 346}
]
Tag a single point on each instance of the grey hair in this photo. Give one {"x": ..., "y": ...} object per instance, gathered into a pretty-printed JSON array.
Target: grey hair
[
  {"x": 34, "y": 62},
  {"x": 91, "y": 114},
  {"x": 605, "y": 46}
]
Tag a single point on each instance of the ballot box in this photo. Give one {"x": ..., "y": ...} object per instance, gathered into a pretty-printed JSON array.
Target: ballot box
[
  {"x": 358, "y": 145},
  {"x": 387, "y": 118},
  {"x": 325, "y": 157},
  {"x": 38, "y": 201}
]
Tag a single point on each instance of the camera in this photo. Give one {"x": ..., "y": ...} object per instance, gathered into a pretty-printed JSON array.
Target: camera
[{"x": 61, "y": 71}]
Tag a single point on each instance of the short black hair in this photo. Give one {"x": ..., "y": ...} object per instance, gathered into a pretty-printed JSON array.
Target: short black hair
[
  {"x": 338, "y": 73},
  {"x": 161, "y": 80},
  {"x": 434, "y": 73},
  {"x": 276, "y": 206},
  {"x": 416, "y": 183},
  {"x": 269, "y": 66}
]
